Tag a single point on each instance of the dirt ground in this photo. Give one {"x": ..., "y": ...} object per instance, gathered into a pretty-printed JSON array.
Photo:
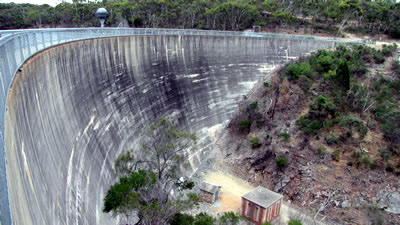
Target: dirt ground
[{"x": 230, "y": 197}]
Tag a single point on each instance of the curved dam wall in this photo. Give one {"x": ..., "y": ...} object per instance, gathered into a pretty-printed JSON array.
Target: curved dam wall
[{"x": 73, "y": 108}]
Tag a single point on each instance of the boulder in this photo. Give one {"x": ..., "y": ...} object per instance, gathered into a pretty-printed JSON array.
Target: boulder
[{"x": 389, "y": 201}]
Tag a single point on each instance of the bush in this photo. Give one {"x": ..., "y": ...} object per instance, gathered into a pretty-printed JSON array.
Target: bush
[
  {"x": 365, "y": 160},
  {"x": 181, "y": 218},
  {"x": 295, "y": 222},
  {"x": 294, "y": 71},
  {"x": 229, "y": 218},
  {"x": 325, "y": 63},
  {"x": 255, "y": 142},
  {"x": 385, "y": 154},
  {"x": 267, "y": 84},
  {"x": 254, "y": 105},
  {"x": 391, "y": 129},
  {"x": 204, "y": 219},
  {"x": 281, "y": 162},
  {"x": 245, "y": 125},
  {"x": 321, "y": 150},
  {"x": 351, "y": 122},
  {"x": 331, "y": 139},
  {"x": 285, "y": 136},
  {"x": 305, "y": 83},
  {"x": 336, "y": 155},
  {"x": 389, "y": 168},
  {"x": 379, "y": 58},
  {"x": 343, "y": 75}
]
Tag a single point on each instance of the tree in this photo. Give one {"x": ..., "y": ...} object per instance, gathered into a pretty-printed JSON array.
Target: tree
[
  {"x": 343, "y": 75},
  {"x": 150, "y": 184}
]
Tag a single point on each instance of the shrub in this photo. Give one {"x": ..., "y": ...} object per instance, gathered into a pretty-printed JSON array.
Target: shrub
[
  {"x": 285, "y": 136},
  {"x": 294, "y": 71},
  {"x": 295, "y": 222},
  {"x": 305, "y": 83},
  {"x": 245, "y": 125},
  {"x": 254, "y": 105},
  {"x": 255, "y": 142},
  {"x": 373, "y": 165},
  {"x": 351, "y": 122},
  {"x": 379, "y": 58},
  {"x": 281, "y": 162},
  {"x": 331, "y": 139},
  {"x": 321, "y": 150},
  {"x": 391, "y": 129},
  {"x": 389, "y": 168},
  {"x": 266, "y": 223},
  {"x": 229, "y": 218},
  {"x": 385, "y": 154},
  {"x": 365, "y": 160},
  {"x": 356, "y": 154},
  {"x": 325, "y": 63},
  {"x": 336, "y": 155},
  {"x": 267, "y": 84},
  {"x": 181, "y": 218},
  {"x": 343, "y": 75}
]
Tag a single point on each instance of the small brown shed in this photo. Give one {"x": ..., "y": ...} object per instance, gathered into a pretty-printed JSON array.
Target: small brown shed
[
  {"x": 261, "y": 205},
  {"x": 209, "y": 192}
]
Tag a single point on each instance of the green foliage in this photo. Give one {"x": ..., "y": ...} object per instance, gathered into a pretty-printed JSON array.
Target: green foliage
[
  {"x": 181, "y": 218},
  {"x": 255, "y": 142},
  {"x": 351, "y": 122},
  {"x": 321, "y": 150},
  {"x": 281, "y": 162},
  {"x": 320, "y": 109},
  {"x": 294, "y": 71},
  {"x": 331, "y": 139},
  {"x": 325, "y": 62},
  {"x": 253, "y": 105},
  {"x": 266, "y": 223},
  {"x": 391, "y": 129},
  {"x": 389, "y": 168},
  {"x": 385, "y": 154},
  {"x": 148, "y": 176},
  {"x": 305, "y": 83},
  {"x": 285, "y": 136},
  {"x": 245, "y": 125},
  {"x": 295, "y": 222},
  {"x": 267, "y": 84},
  {"x": 336, "y": 155},
  {"x": 365, "y": 160},
  {"x": 229, "y": 218},
  {"x": 204, "y": 219},
  {"x": 379, "y": 58},
  {"x": 343, "y": 75}
]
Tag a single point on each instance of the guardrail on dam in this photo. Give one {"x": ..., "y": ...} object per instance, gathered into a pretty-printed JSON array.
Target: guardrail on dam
[{"x": 73, "y": 99}]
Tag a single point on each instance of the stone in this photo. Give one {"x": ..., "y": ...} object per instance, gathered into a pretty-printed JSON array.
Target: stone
[
  {"x": 346, "y": 204},
  {"x": 282, "y": 183},
  {"x": 389, "y": 201}
]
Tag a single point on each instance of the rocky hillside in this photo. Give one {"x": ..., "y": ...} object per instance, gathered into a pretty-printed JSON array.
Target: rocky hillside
[{"x": 325, "y": 132}]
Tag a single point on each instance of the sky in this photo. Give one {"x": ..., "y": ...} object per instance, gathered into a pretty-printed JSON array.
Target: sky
[{"x": 37, "y": 2}]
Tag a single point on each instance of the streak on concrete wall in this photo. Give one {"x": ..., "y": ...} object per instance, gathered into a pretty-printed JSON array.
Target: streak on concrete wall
[{"x": 73, "y": 108}]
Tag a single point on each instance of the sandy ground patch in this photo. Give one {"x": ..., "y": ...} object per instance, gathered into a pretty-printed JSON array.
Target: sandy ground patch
[{"x": 230, "y": 197}]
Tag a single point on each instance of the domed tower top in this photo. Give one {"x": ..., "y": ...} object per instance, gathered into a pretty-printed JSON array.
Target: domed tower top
[{"x": 102, "y": 14}]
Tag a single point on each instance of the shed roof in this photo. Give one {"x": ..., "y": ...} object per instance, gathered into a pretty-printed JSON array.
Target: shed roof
[
  {"x": 262, "y": 196},
  {"x": 209, "y": 187}
]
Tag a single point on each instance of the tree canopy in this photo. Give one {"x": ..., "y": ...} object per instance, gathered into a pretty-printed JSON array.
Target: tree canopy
[
  {"x": 364, "y": 16},
  {"x": 150, "y": 184}
]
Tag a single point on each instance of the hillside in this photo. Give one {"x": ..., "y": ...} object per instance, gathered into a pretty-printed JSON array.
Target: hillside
[{"x": 325, "y": 132}]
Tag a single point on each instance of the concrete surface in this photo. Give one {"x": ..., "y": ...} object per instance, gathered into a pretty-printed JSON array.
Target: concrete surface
[{"x": 74, "y": 108}]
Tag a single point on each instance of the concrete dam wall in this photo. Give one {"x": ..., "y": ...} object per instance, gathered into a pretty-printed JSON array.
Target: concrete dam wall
[{"x": 73, "y": 108}]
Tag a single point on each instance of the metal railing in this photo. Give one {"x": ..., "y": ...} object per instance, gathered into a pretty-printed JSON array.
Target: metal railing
[{"x": 16, "y": 46}]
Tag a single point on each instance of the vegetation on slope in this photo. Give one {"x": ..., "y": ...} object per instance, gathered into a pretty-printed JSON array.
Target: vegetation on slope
[
  {"x": 335, "y": 119},
  {"x": 330, "y": 16}
]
